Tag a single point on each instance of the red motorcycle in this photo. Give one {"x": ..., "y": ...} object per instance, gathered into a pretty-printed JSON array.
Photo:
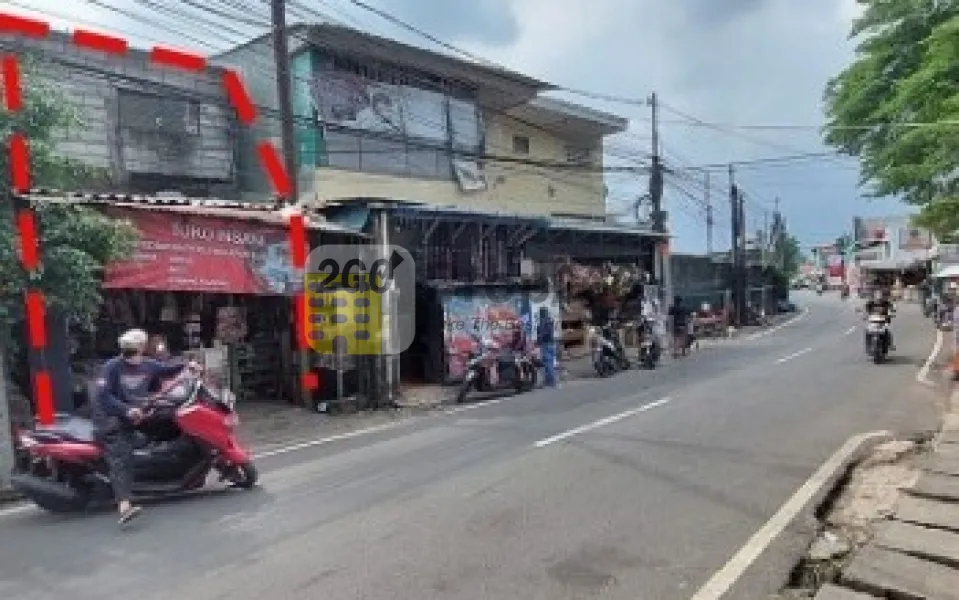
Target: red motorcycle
[
  {"x": 187, "y": 431},
  {"x": 490, "y": 368}
]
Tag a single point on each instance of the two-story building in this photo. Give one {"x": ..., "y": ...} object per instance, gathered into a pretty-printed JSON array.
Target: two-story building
[
  {"x": 377, "y": 118},
  {"x": 486, "y": 181},
  {"x": 138, "y": 128}
]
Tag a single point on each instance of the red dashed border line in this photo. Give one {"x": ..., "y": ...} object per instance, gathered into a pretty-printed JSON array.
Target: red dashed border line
[{"x": 19, "y": 160}]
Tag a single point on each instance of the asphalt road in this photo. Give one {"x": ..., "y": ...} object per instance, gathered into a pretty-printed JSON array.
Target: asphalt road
[{"x": 640, "y": 486}]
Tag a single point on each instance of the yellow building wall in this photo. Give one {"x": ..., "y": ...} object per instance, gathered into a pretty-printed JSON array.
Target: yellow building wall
[{"x": 511, "y": 187}]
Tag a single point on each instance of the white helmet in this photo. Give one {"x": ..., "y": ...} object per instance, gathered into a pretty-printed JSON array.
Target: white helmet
[{"x": 133, "y": 339}]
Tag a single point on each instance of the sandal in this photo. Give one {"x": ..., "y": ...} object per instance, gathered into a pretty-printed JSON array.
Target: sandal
[{"x": 130, "y": 514}]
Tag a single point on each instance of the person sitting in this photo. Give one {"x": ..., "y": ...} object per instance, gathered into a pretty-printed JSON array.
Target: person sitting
[{"x": 124, "y": 383}]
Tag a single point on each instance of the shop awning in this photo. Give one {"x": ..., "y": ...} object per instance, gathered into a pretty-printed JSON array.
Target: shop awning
[
  {"x": 890, "y": 265},
  {"x": 265, "y": 213},
  {"x": 947, "y": 272}
]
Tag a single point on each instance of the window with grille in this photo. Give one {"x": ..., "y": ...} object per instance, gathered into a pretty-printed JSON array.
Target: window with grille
[
  {"x": 164, "y": 115},
  {"x": 520, "y": 144},
  {"x": 579, "y": 155}
]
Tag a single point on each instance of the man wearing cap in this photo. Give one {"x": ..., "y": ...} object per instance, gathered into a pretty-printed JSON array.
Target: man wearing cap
[{"x": 124, "y": 384}]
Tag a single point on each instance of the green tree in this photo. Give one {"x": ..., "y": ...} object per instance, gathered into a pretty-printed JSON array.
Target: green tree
[
  {"x": 76, "y": 241},
  {"x": 904, "y": 74},
  {"x": 784, "y": 248}
]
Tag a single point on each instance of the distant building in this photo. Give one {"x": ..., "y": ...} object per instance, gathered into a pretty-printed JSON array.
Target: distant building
[{"x": 891, "y": 248}]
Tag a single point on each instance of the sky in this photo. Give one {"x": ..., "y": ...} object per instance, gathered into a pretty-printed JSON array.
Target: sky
[{"x": 718, "y": 68}]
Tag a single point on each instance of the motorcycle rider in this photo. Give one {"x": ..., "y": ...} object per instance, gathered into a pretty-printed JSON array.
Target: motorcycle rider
[
  {"x": 124, "y": 383},
  {"x": 680, "y": 322},
  {"x": 881, "y": 304}
]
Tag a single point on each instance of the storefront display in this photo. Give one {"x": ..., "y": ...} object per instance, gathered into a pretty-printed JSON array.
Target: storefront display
[{"x": 468, "y": 317}]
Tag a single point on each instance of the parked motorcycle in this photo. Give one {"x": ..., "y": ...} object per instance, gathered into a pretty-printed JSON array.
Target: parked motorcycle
[
  {"x": 489, "y": 369},
  {"x": 609, "y": 354},
  {"x": 877, "y": 337},
  {"x": 650, "y": 349},
  {"x": 187, "y": 432}
]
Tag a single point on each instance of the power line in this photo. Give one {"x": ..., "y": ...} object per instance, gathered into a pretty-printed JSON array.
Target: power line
[
  {"x": 771, "y": 161},
  {"x": 273, "y": 113},
  {"x": 489, "y": 156}
]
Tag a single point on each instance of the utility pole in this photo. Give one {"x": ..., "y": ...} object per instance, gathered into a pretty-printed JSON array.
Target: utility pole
[
  {"x": 765, "y": 246},
  {"x": 737, "y": 257},
  {"x": 661, "y": 267},
  {"x": 709, "y": 217},
  {"x": 6, "y": 444},
  {"x": 656, "y": 175},
  {"x": 281, "y": 54},
  {"x": 284, "y": 94}
]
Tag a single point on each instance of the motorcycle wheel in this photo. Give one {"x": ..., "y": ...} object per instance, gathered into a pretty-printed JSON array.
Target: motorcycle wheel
[
  {"x": 245, "y": 476},
  {"x": 601, "y": 368},
  {"x": 878, "y": 351},
  {"x": 532, "y": 377},
  {"x": 464, "y": 389}
]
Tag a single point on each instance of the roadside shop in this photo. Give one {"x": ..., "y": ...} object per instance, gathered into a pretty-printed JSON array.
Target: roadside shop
[{"x": 210, "y": 279}]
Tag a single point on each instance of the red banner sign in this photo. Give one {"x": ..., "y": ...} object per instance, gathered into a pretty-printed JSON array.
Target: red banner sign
[{"x": 186, "y": 252}]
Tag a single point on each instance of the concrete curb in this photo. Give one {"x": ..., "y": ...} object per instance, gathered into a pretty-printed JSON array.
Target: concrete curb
[{"x": 769, "y": 563}]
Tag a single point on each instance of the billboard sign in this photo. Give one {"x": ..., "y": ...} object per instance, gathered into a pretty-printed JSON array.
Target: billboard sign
[{"x": 187, "y": 252}]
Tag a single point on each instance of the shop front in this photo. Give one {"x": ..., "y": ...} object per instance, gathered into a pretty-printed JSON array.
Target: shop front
[{"x": 214, "y": 283}]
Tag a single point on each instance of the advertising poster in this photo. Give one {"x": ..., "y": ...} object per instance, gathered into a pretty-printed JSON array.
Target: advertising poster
[
  {"x": 185, "y": 252},
  {"x": 466, "y": 316},
  {"x": 835, "y": 266}
]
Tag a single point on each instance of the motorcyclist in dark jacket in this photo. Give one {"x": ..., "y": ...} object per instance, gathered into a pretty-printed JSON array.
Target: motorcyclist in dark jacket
[
  {"x": 124, "y": 384},
  {"x": 881, "y": 304}
]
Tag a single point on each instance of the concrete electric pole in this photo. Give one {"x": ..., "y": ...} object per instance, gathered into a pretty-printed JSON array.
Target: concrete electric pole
[
  {"x": 709, "y": 217},
  {"x": 284, "y": 93},
  {"x": 737, "y": 255},
  {"x": 6, "y": 443},
  {"x": 661, "y": 267}
]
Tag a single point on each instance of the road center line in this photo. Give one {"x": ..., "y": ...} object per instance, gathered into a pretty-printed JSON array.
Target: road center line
[
  {"x": 724, "y": 579},
  {"x": 793, "y": 355},
  {"x": 600, "y": 423},
  {"x": 797, "y": 318}
]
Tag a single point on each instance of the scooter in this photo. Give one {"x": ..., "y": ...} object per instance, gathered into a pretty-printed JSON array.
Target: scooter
[
  {"x": 187, "y": 431},
  {"x": 609, "y": 355},
  {"x": 488, "y": 370},
  {"x": 649, "y": 347},
  {"x": 877, "y": 337}
]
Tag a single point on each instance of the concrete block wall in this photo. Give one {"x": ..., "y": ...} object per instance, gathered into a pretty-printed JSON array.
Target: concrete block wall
[{"x": 92, "y": 84}]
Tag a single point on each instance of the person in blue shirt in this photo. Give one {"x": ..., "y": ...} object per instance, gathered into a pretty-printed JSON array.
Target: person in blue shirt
[
  {"x": 125, "y": 382},
  {"x": 546, "y": 339}
]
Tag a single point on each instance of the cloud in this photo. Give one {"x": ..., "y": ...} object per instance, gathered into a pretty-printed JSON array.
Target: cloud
[
  {"x": 730, "y": 62},
  {"x": 492, "y": 21}
]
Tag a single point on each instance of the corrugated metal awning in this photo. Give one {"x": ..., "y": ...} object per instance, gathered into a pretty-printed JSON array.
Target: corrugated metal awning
[{"x": 267, "y": 213}]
